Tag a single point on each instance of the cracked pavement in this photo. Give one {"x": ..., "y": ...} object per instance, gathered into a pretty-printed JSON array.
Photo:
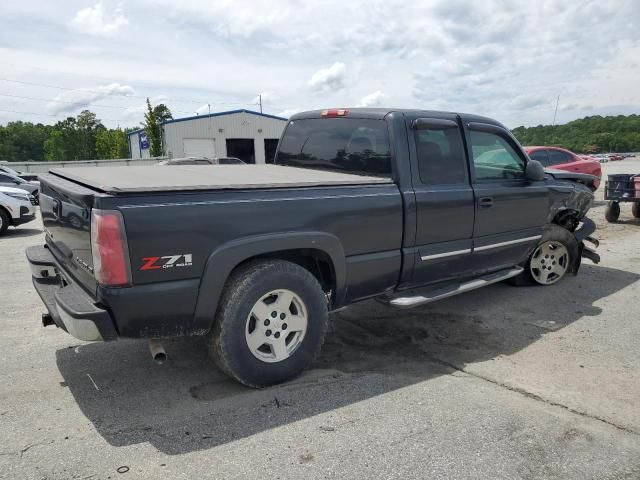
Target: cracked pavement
[{"x": 501, "y": 382}]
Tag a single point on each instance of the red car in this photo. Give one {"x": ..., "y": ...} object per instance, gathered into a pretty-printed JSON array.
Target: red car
[{"x": 562, "y": 159}]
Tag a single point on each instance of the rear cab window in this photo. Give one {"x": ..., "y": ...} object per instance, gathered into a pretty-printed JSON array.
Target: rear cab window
[
  {"x": 440, "y": 155},
  {"x": 347, "y": 145}
]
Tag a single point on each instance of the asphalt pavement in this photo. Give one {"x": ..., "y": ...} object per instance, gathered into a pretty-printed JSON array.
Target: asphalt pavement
[{"x": 500, "y": 383}]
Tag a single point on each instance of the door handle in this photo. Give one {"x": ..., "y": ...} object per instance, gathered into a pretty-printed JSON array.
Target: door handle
[{"x": 485, "y": 202}]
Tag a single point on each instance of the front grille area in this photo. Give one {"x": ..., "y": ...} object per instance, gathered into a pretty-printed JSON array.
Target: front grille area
[{"x": 33, "y": 200}]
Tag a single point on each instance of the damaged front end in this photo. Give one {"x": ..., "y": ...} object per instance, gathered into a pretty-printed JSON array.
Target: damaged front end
[{"x": 570, "y": 199}]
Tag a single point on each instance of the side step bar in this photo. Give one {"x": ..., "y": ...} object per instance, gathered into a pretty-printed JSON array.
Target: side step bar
[{"x": 429, "y": 296}]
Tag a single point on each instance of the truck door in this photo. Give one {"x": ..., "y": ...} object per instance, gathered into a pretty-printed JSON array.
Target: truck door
[
  {"x": 444, "y": 199},
  {"x": 510, "y": 211}
]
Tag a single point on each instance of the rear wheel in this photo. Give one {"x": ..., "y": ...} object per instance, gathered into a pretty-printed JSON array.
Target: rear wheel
[
  {"x": 270, "y": 324},
  {"x": 635, "y": 209},
  {"x": 4, "y": 221},
  {"x": 612, "y": 212}
]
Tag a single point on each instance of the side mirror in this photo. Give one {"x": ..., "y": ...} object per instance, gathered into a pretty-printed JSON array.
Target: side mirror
[
  {"x": 534, "y": 171},
  {"x": 17, "y": 182}
]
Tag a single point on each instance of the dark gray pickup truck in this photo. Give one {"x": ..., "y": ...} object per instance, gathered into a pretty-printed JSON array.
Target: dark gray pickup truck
[{"x": 405, "y": 206}]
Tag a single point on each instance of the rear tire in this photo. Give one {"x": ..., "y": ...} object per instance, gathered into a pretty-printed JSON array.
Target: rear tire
[
  {"x": 551, "y": 260},
  {"x": 635, "y": 209},
  {"x": 4, "y": 221},
  {"x": 612, "y": 212},
  {"x": 251, "y": 340}
]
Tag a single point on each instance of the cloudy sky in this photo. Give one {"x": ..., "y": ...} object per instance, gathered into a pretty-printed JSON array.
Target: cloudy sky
[{"x": 505, "y": 59}]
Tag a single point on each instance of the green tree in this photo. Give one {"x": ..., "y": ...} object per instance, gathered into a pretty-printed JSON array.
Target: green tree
[
  {"x": 54, "y": 146},
  {"x": 153, "y": 126},
  {"x": 23, "y": 141},
  {"x": 590, "y": 134},
  {"x": 111, "y": 144},
  {"x": 87, "y": 126},
  {"x": 162, "y": 112}
]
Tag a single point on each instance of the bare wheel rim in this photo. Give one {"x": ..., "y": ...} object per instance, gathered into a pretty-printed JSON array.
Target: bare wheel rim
[
  {"x": 549, "y": 262},
  {"x": 276, "y": 326}
]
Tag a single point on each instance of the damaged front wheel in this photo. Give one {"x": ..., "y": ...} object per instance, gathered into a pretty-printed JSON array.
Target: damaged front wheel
[{"x": 553, "y": 257}]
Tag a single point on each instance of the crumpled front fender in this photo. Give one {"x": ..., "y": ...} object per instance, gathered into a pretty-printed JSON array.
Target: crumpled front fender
[{"x": 583, "y": 234}]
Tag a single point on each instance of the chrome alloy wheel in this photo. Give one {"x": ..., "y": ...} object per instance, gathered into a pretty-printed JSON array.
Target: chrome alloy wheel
[
  {"x": 549, "y": 262},
  {"x": 276, "y": 326}
]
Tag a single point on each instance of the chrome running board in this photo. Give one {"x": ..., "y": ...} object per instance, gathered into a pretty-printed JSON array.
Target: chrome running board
[{"x": 428, "y": 296}]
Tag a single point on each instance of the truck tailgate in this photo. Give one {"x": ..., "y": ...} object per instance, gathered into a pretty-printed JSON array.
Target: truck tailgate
[{"x": 66, "y": 216}]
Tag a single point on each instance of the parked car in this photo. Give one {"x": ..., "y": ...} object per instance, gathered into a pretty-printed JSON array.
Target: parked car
[
  {"x": 16, "y": 207},
  {"x": 405, "y": 206},
  {"x": 11, "y": 171},
  {"x": 9, "y": 180},
  {"x": 563, "y": 159},
  {"x": 203, "y": 161},
  {"x": 615, "y": 157}
]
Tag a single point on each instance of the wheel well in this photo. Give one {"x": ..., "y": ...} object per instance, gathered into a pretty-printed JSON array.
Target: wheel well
[
  {"x": 317, "y": 262},
  {"x": 8, "y": 214},
  {"x": 568, "y": 219}
]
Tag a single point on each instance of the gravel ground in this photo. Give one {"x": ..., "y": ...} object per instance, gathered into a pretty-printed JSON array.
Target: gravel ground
[{"x": 502, "y": 382}]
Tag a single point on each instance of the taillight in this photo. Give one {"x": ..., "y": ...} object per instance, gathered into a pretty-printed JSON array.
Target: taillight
[
  {"x": 334, "y": 112},
  {"x": 111, "y": 265}
]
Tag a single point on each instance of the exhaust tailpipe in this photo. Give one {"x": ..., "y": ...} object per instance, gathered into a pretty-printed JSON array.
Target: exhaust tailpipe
[{"x": 157, "y": 351}]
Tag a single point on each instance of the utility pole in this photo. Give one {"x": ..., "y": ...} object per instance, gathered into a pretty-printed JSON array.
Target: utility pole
[
  {"x": 260, "y": 100},
  {"x": 555, "y": 112}
]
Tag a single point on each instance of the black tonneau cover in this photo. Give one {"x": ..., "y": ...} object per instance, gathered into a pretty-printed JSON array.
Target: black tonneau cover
[{"x": 206, "y": 177}]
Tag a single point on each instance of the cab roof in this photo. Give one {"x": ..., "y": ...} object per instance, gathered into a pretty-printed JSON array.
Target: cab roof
[{"x": 381, "y": 113}]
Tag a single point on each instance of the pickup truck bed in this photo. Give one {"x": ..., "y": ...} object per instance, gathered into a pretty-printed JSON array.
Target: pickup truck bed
[{"x": 204, "y": 177}]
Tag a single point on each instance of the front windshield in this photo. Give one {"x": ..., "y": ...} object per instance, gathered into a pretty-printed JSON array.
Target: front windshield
[{"x": 9, "y": 170}]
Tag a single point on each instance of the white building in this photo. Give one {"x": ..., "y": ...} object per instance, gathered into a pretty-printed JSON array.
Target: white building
[{"x": 247, "y": 135}]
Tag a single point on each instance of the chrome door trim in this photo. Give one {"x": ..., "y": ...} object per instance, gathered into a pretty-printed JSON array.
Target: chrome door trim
[
  {"x": 445, "y": 254},
  {"x": 510, "y": 242}
]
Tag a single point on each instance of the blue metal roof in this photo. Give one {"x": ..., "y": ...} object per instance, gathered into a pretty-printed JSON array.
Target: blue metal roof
[
  {"x": 219, "y": 114},
  {"x": 216, "y": 114}
]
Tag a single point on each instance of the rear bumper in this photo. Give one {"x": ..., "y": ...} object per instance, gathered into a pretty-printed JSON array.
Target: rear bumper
[{"x": 70, "y": 307}]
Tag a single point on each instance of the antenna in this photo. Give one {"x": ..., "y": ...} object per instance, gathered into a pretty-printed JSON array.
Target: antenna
[{"x": 260, "y": 100}]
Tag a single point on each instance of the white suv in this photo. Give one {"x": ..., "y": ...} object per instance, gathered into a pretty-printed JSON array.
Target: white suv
[{"x": 16, "y": 207}]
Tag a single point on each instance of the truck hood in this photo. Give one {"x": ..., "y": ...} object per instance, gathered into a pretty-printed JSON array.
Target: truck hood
[
  {"x": 571, "y": 192},
  {"x": 583, "y": 178}
]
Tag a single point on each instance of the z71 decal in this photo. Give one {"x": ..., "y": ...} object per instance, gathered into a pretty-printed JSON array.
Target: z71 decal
[{"x": 168, "y": 261}]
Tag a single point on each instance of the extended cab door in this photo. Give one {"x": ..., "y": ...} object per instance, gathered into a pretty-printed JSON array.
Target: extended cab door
[
  {"x": 444, "y": 199},
  {"x": 510, "y": 211}
]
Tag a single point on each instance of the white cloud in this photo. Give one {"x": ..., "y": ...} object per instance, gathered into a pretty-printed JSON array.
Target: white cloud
[
  {"x": 374, "y": 99},
  {"x": 75, "y": 99},
  {"x": 204, "y": 109},
  {"x": 96, "y": 21},
  {"x": 266, "y": 97},
  {"x": 136, "y": 113},
  {"x": 422, "y": 54},
  {"x": 328, "y": 79},
  {"x": 289, "y": 112}
]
